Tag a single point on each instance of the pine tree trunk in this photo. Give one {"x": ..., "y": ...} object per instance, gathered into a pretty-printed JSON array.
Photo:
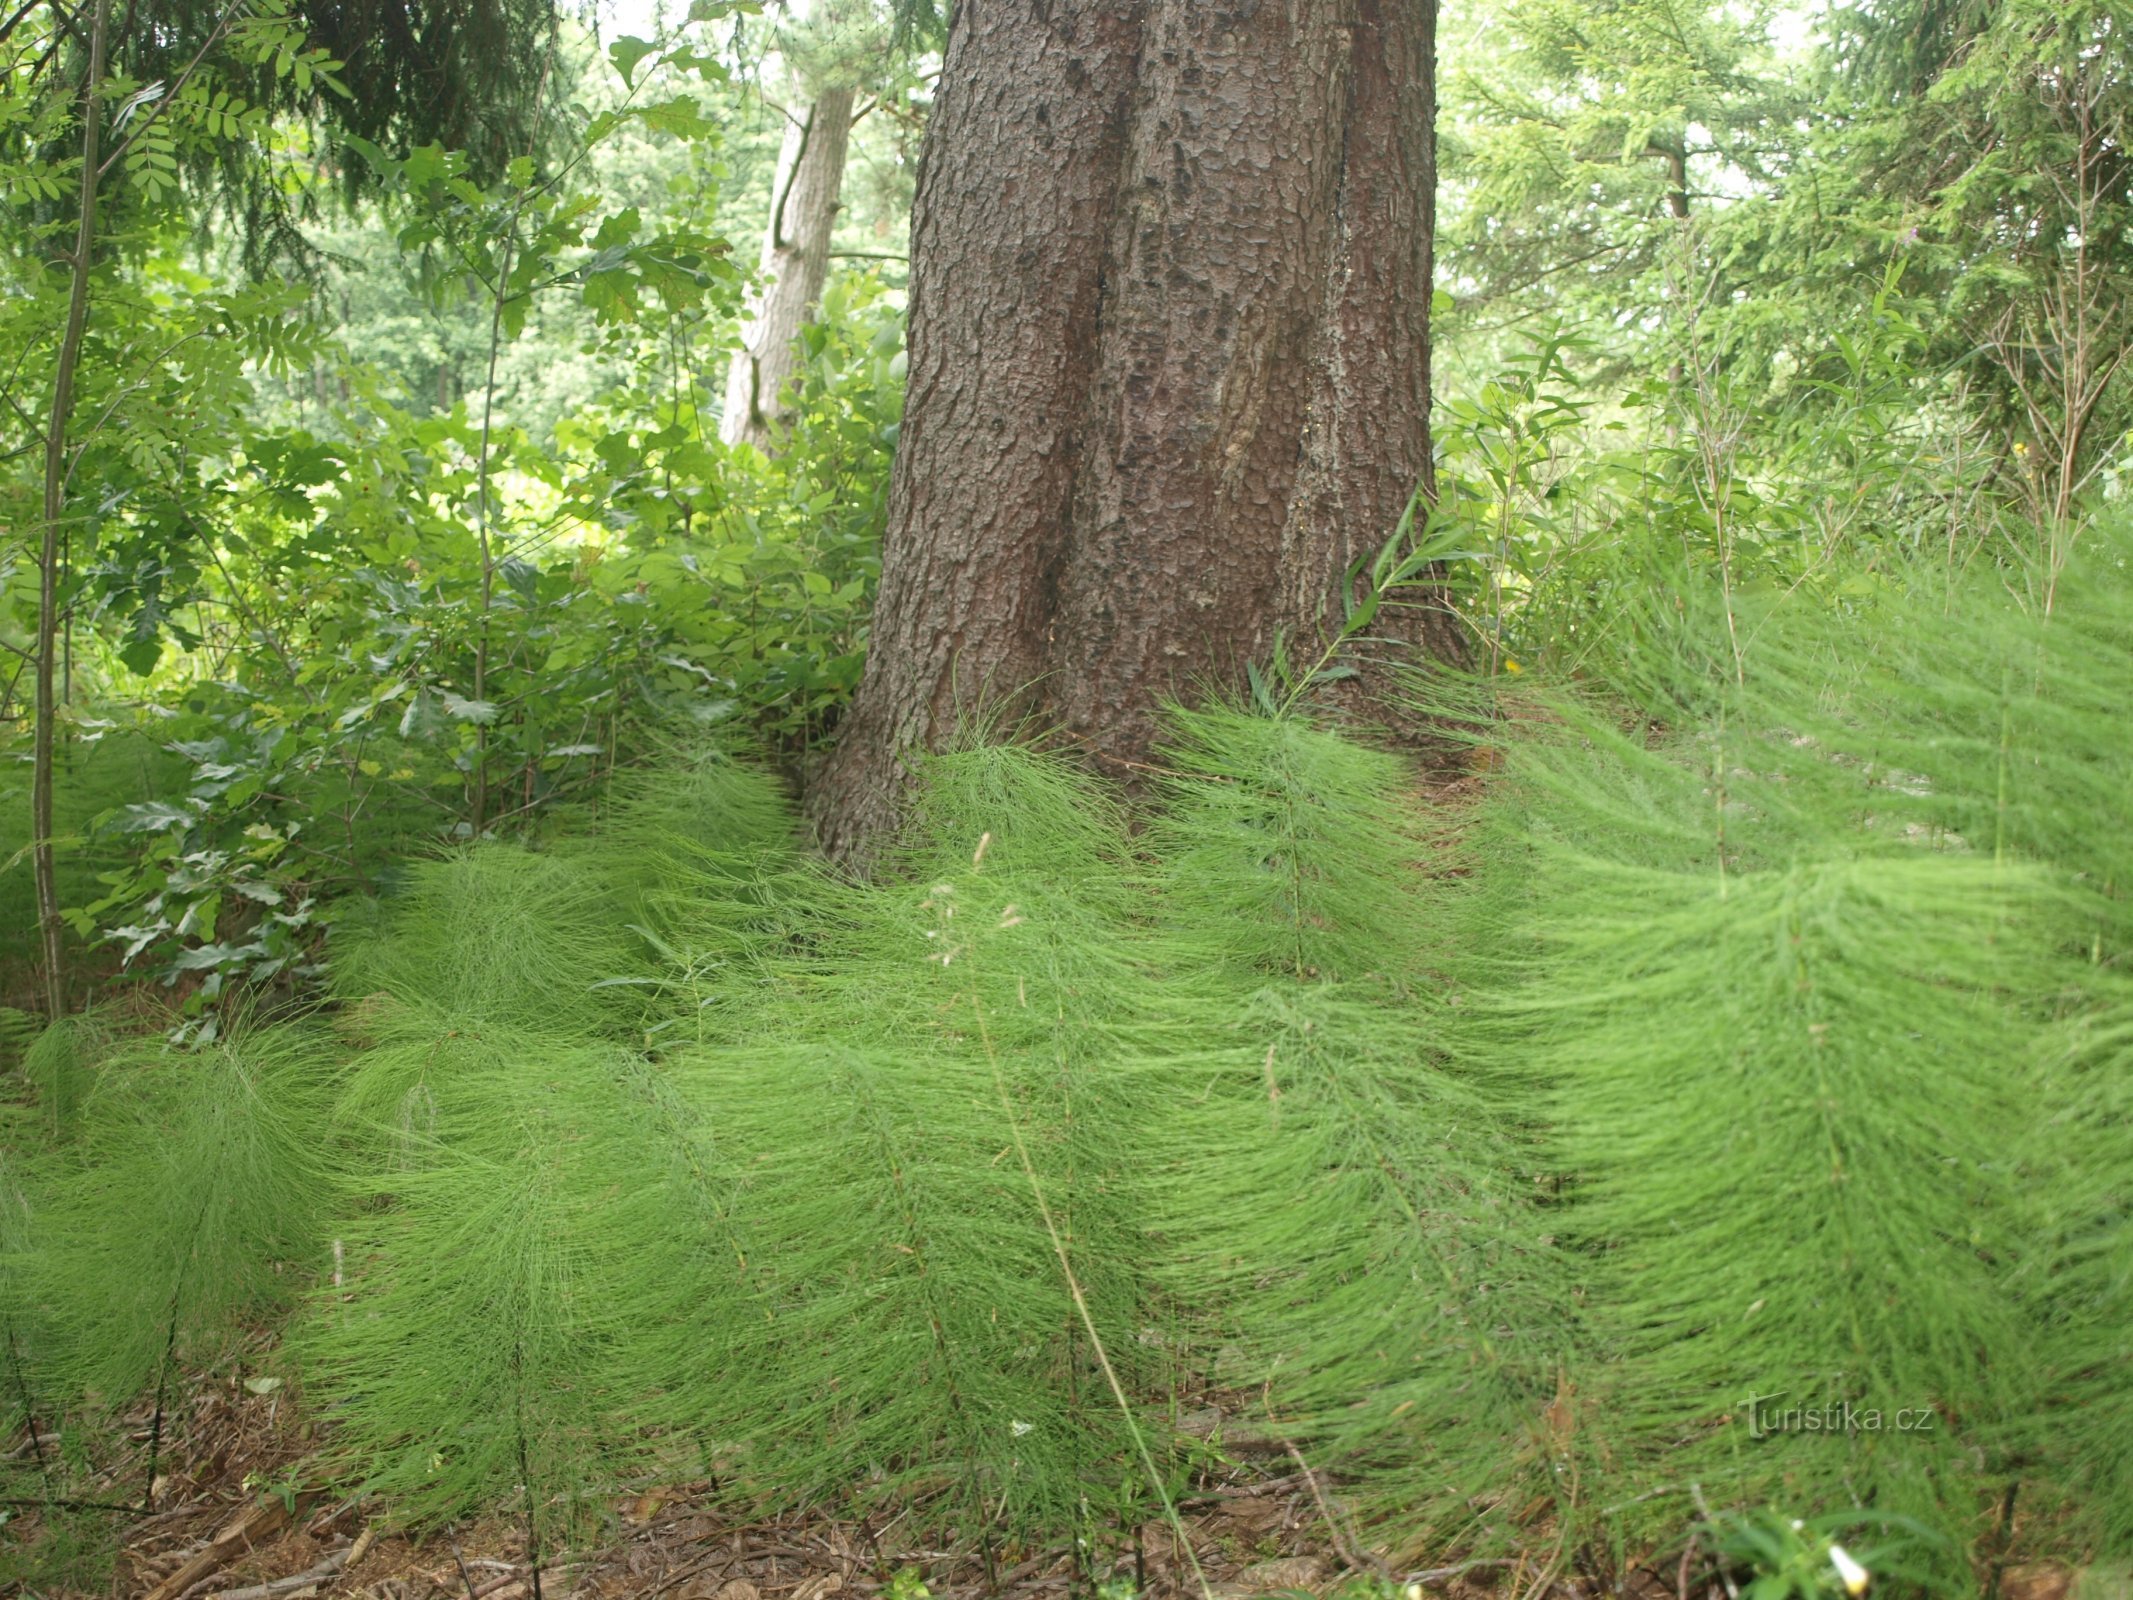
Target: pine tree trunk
[
  {"x": 1169, "y": 367},
  {"x": 796, "y": 246}
]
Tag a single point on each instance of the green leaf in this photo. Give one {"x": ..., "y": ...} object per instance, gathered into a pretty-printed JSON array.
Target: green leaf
[
  {"x": 207, "y": 957},
  {"x": 617, "y": 230},
  {"x": 679, "y": 119},
  {"x": 627, "y": 53},
  {"x": 521, "y": 575},
  {"x": 482, "y": 713},
  {"x": 153, "y": 816}
]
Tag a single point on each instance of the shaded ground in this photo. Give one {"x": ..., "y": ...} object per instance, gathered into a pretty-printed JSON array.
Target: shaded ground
[{"x": 232, "y": 1518}]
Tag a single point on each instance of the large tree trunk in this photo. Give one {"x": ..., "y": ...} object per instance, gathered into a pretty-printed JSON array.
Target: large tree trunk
[
  {"x": 796, "y": 246},
  {"x": 1169, "y": 366}
]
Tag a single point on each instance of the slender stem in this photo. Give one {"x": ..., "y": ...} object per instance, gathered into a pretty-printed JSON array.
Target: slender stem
[
  {"x": 43, "y": 867},
  {"x": 29, "y": 1408},
  {"x": 170, "y": 1352},
  {"x": 502, "y": 295},
  {"x": 525, "y": 1467},
  {"x": 488, "y": 564},
  {"x": 465, "y": 1576}
]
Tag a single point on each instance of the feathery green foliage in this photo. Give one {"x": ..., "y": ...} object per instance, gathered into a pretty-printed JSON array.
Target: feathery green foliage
[
  {"x": 188, "y": 1208},
  {"x": 54, "y": 1068},
  {"x": 1359, "y": 1216},
  {"x": 17, "y": 1381},
  {"x": 1784, "y": 1108},
  {"x": 866, "y": 1077},
  {"x": 2079, "y": 1292},
  {"x": 18, "y": 1030},
  {"x": 1795, "y": 965},
  {"x": 503, "y": 1245},
  {"x": 798, "y": 1244},
  {"x": 496, "y": 935},
  {"x": 698, "y": 805},
  {"x": 1758, "y": 1036},
  {"x": 473, "y": 1351},
  {"x": 2013, "y": 742},
  {"x": 1285, "y": 847},
  {"x": 1982, "y": 721}
]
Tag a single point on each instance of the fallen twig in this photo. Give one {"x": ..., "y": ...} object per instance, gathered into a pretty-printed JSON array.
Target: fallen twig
[
  {"x": 725, "y": 1560},
  {"x": 465, "y": 1576},
  {"x": 246, "y": 1531},
  {"x": 331, "y": 1567},
  {"x": 1460, "y": 1570},
  {"x": 60, "y": 1503},
  {"x": 1358, "y": 1558},
  {"x": 1264, "y": 1489}
]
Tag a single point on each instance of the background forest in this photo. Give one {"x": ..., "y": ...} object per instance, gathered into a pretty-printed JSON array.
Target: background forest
[{"x": 438, "y": 534}]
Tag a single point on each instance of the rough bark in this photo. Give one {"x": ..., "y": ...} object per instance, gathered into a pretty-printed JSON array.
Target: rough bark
[
  {"x": 795, "y": 264},
  {"x": 1169, "y": 367},
  {"x": 43, "y": 867}
]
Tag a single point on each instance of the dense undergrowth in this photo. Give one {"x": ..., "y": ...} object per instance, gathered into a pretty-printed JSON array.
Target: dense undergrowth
[{"x": 1750, "y": 1050}]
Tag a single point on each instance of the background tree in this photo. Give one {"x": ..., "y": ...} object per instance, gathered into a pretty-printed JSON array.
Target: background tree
[
  {"x": 793, "y": 268},
  {"x": 1169, "y": 367},
  {"x": 2000, "y": 131},
  {"x": 466, "y": 75},
  {"x": 827, "y": 58},
  {"x": 1577, "y": 138}
]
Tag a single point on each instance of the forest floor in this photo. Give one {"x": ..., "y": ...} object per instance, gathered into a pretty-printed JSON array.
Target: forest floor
[{"x": 233, "y": 1520}]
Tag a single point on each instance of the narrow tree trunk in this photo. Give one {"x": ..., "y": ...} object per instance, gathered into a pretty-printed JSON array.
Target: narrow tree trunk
[
  {"x": 796, "y": 246},
  {"x": 43, "y": 866},
  {"x": 484, "y": 542},
  {"x": 1676, "y": 154},
  {"x": 1169, "y": 367}
]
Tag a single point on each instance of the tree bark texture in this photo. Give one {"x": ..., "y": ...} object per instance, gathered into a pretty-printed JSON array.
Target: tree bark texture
[
  {"x": 1169, "y": 370},
  {"x": 795, "y": 264}
]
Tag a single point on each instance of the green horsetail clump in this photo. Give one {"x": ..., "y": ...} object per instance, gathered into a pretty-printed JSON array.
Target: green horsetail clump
[
  {"x": 18, "y": 1031},
  {"x": 2009, "y": 735},
  {"x": 924, "y": 1104},
  {"x": 835, "y": 1263},
  {"x": 1288, "y": 850},
  {"x": 1361, "y": 1218},
  {"x": 499, "y": 1244},
  {"x": 1812, "y": 963},
  {"x": 1783, "y": 1110},
  {"x": 57, "y": 1066},
  {"x": 699, "y": 805},
  {"x": 1992, "y": 726},
  {"x": 2078, "y": 1149},
  {"x": 497, "y": 934},
  {"x": 498, "y": 1274},
  {"x": 183, "y": 1214},
  {"x": 18, "y": 1375}
]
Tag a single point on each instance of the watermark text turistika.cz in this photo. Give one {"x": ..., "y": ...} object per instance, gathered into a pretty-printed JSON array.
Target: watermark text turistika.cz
[{"x": 1769, "y": 1414}]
